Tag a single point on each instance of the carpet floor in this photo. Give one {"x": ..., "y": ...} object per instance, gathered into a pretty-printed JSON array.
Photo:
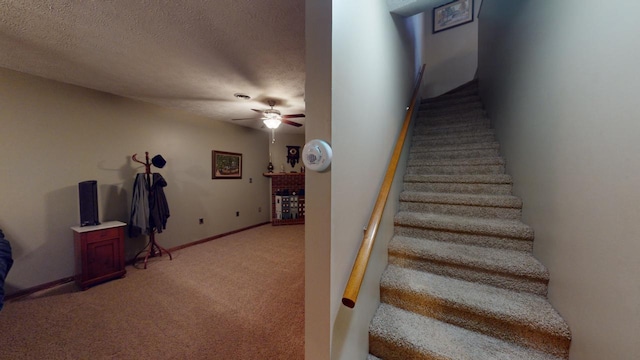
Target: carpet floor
[{"x": 236, "y": 297}]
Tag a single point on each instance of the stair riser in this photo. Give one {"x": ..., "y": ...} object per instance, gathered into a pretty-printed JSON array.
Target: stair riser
[
  {"x": 450, "y": 102},
  {"x": 457, "y": 170},
  {"x": 450, "y": 130},
  {"x": 450, "y": 121},
  {"x": 451, "y": 109},
  {"x": 484, "y": 323},
  {"x": 447, "y": 136},
  {"x": 429, "y": 144},
  {"x": 484, "y": 276},
  {"x": 453, "y": 155},
  {"x": 489, "y": 241},
  {"x": 463, "y": 110},
  {"x": 391, "y": 351},
  {"x": 446, "y": 117},
  {"x": 496, "y": 189},
  {"x": 457, "y": 95},
  {"x": 463, "y": 210}
]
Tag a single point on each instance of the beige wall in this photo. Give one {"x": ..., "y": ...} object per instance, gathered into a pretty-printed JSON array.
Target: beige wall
[
  {"x": 451, "y": 56},
  {"x": 55, "y": 135},
  {"x": 367, "y": 56},
  {"x": 560, "y": 81}
]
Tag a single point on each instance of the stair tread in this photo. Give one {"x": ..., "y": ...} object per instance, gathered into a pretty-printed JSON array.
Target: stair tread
[
  {"x": 493, "y": 160},
  {"x": 517, "y": 308},
  {"x": 454, "y": 147},
  {"x": 519, "y": 263},
  {"x": 470, "y": 225},
  {"x": 415, "y": 333},
  {"x": 468, "y": 179},
  {"x": 507, "y": 201},
  {"x": 449, "y": 136}
]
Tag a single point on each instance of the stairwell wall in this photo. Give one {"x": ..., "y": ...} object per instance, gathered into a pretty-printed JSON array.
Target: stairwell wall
[
  {"x": 360, "y": 70},
  {"x": 451, "y": 56},
  {"x": 560, "y": 80}
]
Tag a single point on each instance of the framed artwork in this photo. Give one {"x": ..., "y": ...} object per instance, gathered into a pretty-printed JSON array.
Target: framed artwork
[
  {"x": 455, "y": 13},
  {"x": 226, "y": 165}
]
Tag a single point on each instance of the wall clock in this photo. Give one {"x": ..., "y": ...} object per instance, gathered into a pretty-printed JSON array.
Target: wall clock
[{"x": 293, "y": 155}]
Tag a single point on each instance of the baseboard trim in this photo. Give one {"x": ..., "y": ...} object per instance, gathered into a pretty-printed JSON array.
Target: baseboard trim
[
  {"x": 35, "y": 289},
  {"x": 197, "y": 242},
  {"x": 49, "y": 285}
]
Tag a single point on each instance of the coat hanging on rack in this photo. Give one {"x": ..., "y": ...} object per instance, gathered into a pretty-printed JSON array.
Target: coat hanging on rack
[{"x": 149, "y": 207}]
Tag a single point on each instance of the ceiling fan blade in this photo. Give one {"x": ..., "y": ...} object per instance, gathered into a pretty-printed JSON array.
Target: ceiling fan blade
[
  {"x": 253, "y": 118},
  {"x": 256, "y": 110},
  {"x": 292, "y": 123},
  {"x": 293, "y": 116}
]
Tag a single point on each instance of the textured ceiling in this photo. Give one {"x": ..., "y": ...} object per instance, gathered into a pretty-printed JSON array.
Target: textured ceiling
[{"x": 191, "y": 55}]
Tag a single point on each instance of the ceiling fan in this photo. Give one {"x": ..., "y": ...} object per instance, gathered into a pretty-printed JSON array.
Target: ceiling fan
[{"x": 272, "y": 118}]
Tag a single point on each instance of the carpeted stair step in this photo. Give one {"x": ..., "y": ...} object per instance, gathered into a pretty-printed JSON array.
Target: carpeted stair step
[
  {"x": 445, "y": 110},
  {"x": 436, "y": 116},
  {"x": 506, "y": 269},
  {"x": 433, "y": 138},
  {"x": 498, "y": 184},
  {"x": 477, "y": 205},
  {"x": 448, "y": 140},
  {"x": 371, "y": 357},
  {"x": 523, "y": 318},
  {"x": 436, "y": 103},
  {"x": 448, "y": 120},
  {"x": 454, "y": 147},
  {"x": 495, "y": 167},
  {"x": 493, "y": 233},
  {"x": 476, "y": 125},
  {"x": 396, "y": 334},
  {"x": 467, "y": 151},
  {"x": 458, "y": 93}
]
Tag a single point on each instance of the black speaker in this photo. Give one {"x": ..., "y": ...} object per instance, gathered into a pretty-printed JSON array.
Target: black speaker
[{"x": 88, "y": 194}]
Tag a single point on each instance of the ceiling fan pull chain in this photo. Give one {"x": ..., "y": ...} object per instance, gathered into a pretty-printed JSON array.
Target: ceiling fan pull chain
[{"x": 273, "y": 136}]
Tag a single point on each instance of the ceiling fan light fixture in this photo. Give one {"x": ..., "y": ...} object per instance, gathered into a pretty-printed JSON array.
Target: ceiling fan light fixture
[{"x": 272, "y": 123}]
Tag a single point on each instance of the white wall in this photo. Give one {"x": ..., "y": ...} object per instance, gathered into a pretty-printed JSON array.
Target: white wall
[
  {"x": 560, "y": 81},
  {"x": 368, "y": 57},
  {"x": 55, "y": 135},
  {"x": 451, "y": 56}
]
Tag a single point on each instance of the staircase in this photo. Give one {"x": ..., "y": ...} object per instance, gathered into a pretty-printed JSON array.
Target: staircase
[{"x": 462, "y": 282}]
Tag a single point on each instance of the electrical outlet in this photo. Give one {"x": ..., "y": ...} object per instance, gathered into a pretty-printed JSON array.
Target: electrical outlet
[
  {"x": 201, "y": 221},
  {"x": 237, "y": 213},
  {"x": 250, "y": 180},
  {"x": 259, "y": 208}
]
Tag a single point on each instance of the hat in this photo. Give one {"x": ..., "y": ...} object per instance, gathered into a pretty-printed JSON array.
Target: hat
[{"x": 158, "y": 161}]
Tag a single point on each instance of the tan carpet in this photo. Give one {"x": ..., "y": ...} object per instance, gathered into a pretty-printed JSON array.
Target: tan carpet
[{"x": 237, "y": 297}]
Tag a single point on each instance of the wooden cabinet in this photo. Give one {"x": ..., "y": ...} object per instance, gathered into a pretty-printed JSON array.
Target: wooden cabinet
[
  {"x": 287, "y": 198},
  {"x": 99, "y": 253}
]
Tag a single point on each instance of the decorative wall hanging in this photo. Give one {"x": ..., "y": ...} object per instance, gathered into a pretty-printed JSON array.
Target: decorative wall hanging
[
  {"x": 452, "y": 14},
  {"x": 293, "y": 155},
  {"x": 226, "y": 165}
]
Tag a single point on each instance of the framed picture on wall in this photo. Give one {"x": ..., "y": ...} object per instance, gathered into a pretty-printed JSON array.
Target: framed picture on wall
[
  {"x": 450, "y": 15},
  {"x": 226, "y": 165}
]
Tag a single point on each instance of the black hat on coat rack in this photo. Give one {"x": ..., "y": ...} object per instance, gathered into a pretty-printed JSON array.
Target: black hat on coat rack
[{"x": 158, "y": 161}]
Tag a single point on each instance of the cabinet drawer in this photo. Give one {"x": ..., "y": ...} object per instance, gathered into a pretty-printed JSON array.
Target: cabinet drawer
[{"x": 102, "y": 234}]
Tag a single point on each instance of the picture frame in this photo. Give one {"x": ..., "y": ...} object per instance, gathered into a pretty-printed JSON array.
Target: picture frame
[
  {"x": 226, "y": 165},
  {"x": 452, "y": 14}
]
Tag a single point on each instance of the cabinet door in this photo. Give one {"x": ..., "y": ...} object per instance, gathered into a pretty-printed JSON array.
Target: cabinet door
[{"x": 102, "y": 257}]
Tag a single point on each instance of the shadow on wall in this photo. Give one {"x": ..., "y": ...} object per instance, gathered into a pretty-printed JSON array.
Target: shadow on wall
[{"x": 447, "y": 76}]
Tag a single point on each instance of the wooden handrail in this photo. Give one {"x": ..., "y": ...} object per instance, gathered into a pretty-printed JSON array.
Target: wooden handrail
[{"x": 352, "y": 289}]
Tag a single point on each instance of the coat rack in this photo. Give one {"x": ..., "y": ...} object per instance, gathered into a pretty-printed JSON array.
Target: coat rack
[{"x": 152, "y": 248}]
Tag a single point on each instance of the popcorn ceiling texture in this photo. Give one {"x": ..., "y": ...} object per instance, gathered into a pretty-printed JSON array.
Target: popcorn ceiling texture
[
  {"x": 189, "y": 55},
  {"x": 462, "y": 282}
]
